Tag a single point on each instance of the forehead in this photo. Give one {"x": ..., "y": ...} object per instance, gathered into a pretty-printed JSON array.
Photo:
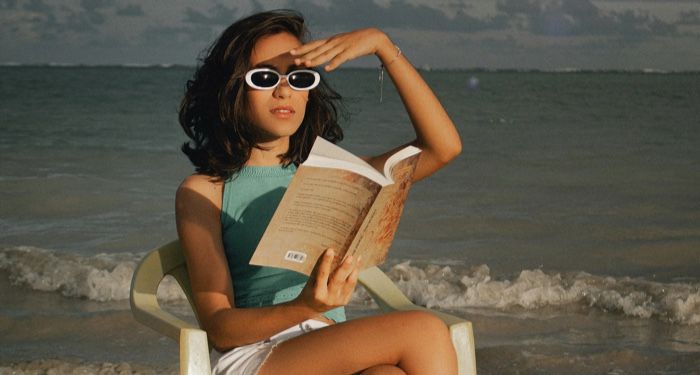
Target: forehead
[{"x": 274, "y": 50}]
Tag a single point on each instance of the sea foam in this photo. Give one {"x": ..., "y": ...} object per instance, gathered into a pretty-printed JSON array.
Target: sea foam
[
  {"x": 436, "y": 286},
  {"x": 101, "y": 277},
  {"x": 107, "y": 277}
]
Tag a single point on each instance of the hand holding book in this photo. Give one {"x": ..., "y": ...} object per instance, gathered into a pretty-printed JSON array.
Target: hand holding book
[{"x": 336, "y": 200}]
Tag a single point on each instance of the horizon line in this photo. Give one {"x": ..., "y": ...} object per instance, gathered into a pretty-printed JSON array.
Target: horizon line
[{"x": 424, "y": 68}]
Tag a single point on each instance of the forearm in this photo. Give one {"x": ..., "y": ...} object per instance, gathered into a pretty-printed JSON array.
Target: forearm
[
  {"x": 326, "y": 289},
  {"x": 233, "y": 327},
  {"x": 436, "y": 134}
]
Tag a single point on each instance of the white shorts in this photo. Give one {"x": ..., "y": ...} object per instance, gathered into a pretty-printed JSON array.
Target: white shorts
[{"x": 247, "y": 359}]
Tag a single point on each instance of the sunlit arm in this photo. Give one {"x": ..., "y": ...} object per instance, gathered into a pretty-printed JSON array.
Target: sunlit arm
[
  {"x": 198, "y": 212},
  {"x": 436, "y": 134},
  {"x": 199, "y": 229}
]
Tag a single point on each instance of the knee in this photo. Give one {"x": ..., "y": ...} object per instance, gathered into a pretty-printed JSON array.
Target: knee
[{"x": 432, "y": 328}]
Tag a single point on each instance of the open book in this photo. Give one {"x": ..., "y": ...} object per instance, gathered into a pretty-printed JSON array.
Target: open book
[{"x": 337, "y": 200}]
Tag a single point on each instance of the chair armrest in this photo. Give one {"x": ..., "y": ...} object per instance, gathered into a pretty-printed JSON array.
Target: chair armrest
[
  {"x": 147, "y": 311},
  {"x": 390, "y": 298},
  {"x": 194, "y": 352},
  {"x": 194, "y": 347},
  {"x": 143, "y": 299}
]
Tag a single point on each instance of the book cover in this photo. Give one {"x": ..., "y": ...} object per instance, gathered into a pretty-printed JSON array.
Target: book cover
[{"x": 337, "y": 200}]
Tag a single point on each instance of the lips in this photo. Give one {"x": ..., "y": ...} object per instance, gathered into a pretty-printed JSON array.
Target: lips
[{"x": 283, "y": 111}]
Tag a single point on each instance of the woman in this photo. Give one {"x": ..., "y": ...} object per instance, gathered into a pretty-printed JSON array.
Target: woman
[{"x": 252, "y": 112}]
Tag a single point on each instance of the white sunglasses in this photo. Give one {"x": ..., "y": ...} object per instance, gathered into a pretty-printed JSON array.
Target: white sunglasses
[{"x": 267, "y": 79}]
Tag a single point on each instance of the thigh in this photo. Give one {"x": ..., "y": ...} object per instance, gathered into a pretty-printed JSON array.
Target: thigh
[{"x": 356, "y": 345}]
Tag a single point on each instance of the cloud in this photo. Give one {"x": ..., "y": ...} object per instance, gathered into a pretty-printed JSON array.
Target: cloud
[
  {"x": 218, "y": 15},
  {"x": 554, "y": 18},
  {"x": 95, "y": 5},
  {"x": 690, "y": 17},
  {"x": 130, "y": 10},
  {"x": 49, "y": 22},
  {"x": 564, "y": 18},
  {"x": 8, "y": 4},
  {"x": 343, "y": 15},
  {"x": 37, "y": 6},
  {"x": 440, "y": 33}
]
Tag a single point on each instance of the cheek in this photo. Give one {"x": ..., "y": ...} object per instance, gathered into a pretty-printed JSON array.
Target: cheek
[
  {"x": 255, "y": 104},
  {"x": 303, "y": 103}
]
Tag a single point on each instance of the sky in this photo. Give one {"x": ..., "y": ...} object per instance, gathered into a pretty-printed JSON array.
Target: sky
[{"x": 454, "y": 34}]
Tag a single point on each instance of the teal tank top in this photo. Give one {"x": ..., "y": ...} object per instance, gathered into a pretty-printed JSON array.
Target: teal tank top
[{"x": 250, "y": 198}]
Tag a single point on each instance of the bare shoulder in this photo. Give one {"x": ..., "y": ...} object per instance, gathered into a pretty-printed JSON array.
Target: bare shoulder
[{"x": 198, "y": 187}]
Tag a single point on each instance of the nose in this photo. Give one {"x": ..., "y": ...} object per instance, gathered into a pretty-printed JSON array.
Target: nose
[{"x": 282, "y": 90}]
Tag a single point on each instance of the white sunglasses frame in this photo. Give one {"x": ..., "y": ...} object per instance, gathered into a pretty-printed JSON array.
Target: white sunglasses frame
[{"x": 249, "y": 78}]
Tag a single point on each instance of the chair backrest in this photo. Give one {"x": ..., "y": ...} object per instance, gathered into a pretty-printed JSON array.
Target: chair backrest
[{"x": 167, "y": 260}]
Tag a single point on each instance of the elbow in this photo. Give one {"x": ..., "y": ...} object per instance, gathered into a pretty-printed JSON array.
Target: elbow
[
  {"x": 441, "y": 152},
  {"x": 219, "y": 346},
  {"x": 217, "y": 334},
  {"x": 450, "y": 151},
  {"x": 218, "y": 341}
]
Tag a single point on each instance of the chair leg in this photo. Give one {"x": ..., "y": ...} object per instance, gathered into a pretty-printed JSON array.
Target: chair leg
[
  {"x": 194, "y": 352},
  {"x": 463, "y": 341}
]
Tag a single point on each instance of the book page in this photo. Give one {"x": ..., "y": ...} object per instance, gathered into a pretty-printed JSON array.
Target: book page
[
  {"x": 321, "y": 208},
  {"x": 329, "y": 155},
  {"x": 397, "y": 157},
  {"x": 378, "y": 230}
]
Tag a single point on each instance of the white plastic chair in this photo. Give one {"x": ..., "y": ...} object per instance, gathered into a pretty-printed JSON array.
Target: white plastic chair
[{"x": 194, "y": 347}]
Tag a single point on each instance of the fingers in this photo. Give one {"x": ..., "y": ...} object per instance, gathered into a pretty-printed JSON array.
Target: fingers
[
  {"x": 338, "y": 60},
  {"x": 344, "y": 280},
  {"x": 303, "y": 49},
  {"x": 303, "y": 55},
  {"x": 322, "y": 270},
  {"x": 335, "y": 51},
  {"x": 316, "y": 55},
  {"x": 349, "y": 286},
  {"x": 340, "y": 275},
  {"x": 328, "y": 288},
  {"x": 339, "y": 48}
]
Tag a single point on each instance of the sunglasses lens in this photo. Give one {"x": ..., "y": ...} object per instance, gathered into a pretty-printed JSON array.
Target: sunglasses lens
[
  {"x": 301, "y": 80},
  {"x": 264, "y": 79}
]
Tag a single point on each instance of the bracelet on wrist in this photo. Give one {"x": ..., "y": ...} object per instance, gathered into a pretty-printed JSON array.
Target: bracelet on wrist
[{"x": 381, "y": 72}]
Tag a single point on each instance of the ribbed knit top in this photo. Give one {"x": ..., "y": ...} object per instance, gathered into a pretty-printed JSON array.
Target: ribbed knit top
[{"x": 250, "y": 198}]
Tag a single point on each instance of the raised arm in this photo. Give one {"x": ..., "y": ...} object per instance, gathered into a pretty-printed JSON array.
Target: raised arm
[
  {"x": 435, "y": 132},
  {"x": 198, "y": 212}
]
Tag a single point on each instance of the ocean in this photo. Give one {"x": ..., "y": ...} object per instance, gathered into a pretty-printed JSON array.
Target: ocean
[{"x": 567, "y": 231}]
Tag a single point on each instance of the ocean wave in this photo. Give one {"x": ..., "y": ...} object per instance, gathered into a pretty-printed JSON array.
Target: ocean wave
[
  {"x": 107, "y": 277},
  {"x": 101, "y": 277},
  {"x": 436, "y": 286}
]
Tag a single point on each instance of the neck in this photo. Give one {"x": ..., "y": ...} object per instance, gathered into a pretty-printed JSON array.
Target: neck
[{"x": 268, "y": 153}]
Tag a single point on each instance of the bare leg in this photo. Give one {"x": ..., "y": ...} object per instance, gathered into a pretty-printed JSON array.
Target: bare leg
[
  {"x": 415, "y": 342},
  {"x": 383, "y": 370}
]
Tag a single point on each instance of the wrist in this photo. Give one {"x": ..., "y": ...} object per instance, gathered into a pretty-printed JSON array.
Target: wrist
[
  {"x": 302, "y": 310},
  {"x": 387, "y": 50}
]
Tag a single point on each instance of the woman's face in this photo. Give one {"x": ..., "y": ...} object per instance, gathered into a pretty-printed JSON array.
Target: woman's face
[{"x": 277, "y": 113}]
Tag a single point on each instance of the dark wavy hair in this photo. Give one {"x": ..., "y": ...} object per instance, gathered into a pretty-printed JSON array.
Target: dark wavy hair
[{"x": 214, "y": 114}]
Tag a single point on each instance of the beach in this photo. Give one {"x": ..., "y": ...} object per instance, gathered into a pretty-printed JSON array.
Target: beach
[{"x": 566, "y": 231}]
